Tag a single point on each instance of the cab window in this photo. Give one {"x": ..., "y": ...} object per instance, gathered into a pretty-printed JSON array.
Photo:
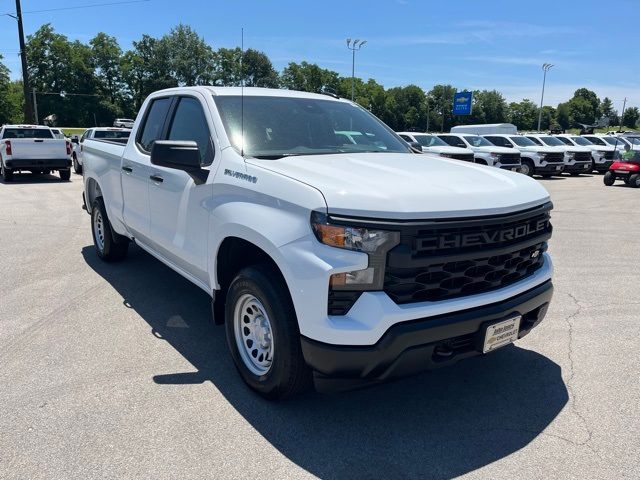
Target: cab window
[{"x": 190, "y": 123}]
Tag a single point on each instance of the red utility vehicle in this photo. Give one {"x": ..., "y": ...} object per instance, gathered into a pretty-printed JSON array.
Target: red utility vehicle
[{"x": 624, "y": 169}]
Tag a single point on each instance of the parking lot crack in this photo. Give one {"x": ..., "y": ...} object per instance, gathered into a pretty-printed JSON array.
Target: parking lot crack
[{"x": 579, "y": 309}]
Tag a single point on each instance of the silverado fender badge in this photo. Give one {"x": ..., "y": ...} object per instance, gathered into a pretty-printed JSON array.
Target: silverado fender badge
[{"x": 240, "y": 175}]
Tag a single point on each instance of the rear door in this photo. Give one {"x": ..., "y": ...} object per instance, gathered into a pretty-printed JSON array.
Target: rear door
[
  {"x": 179, "y": 208},
  {"x": 136, "y": 168}
]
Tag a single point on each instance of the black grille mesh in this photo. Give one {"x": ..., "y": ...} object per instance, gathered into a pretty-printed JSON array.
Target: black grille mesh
[
  {"x": 510, "y": 158},
  {"x": 467, "y": 157}
]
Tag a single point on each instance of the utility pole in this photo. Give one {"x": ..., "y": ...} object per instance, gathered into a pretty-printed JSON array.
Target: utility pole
[
  {"x": 624, "y": 104},
  {"x": 356, "y": 45},
  {"x": 546, "y": 67},
  {"x": 35, "y": 106},
  {"x": 28, "y": 110}
]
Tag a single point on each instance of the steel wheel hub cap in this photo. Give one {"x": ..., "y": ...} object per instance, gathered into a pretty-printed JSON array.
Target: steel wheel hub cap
[
  {"x": 98, "y": 226},
  {"x": 253, "y": 334}
]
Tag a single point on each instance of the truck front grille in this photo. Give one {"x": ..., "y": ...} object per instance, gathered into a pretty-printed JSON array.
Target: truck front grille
[
  {"x": 582, "y": 156},
  {"x": 554, "y": 157},
  {"x": 452, "y": 259},
  {"x": 609, "y": 155},
  {"x": 467, "y": 157},
  {"x": 510, "y": 158}
]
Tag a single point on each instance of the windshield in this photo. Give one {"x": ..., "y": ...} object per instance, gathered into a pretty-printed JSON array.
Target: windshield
[
  {"x": 111, "y": 134},
  {"x": 27, "y": 133},
  {"x": 276, "y": 127},
  {"x": 553, "y": 141},
  {"x": 581, "y": 141},
  {"x": 600, "y": 141},
  {"x": 565, "y": 140},
  {"x": 633, "y": 140},
  {"x": 430, "y": 141},
  {"x": 477, "y": 141},
  {"x": 522, "y": 141}
]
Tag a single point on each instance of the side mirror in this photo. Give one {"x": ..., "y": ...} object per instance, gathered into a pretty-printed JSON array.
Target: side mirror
[
  {"x": 180, "y": 155},
  {"x": 416, "y": 146}
]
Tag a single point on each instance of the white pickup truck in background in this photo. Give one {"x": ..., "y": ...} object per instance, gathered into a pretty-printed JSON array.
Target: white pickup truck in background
[
  {"x": 432, "y": 144},
  {"x": 326, "y": 259},
  {"x": 485, "y": 152},
  {"x": 105, "y": 133},
  {"x": 33, "y": 148},
  {"x": 535, "y": 159}
]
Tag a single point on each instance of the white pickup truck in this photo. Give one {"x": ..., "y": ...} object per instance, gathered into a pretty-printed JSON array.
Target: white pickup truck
[
  {"x": 33, "y": 148},
  {"x": 432, "y": 144},
  {"x": 104, "y": 133},
  {"x": 485, "y": 152},
  {"x": 327, "y": 260},
  {"x": 535, "y": 159}
]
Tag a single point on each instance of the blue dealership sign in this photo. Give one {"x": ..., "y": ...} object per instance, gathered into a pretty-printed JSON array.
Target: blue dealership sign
[{"x": 462, "y": 103}]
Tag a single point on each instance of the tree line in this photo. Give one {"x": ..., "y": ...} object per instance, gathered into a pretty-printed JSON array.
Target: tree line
[{"x": 102, "y": 82}]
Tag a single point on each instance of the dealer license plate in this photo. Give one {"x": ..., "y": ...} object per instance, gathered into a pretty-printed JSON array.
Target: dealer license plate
[
  {"x": 558, "y": 168},
  {"x": 501, "y": 334},
  {"x": 623, "y": 172}
]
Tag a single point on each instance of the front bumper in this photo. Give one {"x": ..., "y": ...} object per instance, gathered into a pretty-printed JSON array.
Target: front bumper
[
  {"x": 515, "y": 167},
  {"x": 550, "y": 168},
  {"x": 45, "y": 164},
  {"x": 411, "y": 347},
  {"x": 578, "y": 167},
  {"x": 603, "y": 166}
]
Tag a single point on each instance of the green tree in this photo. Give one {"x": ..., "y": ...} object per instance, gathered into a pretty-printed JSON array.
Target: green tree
[
  {"x": 549, "y": 117},
  {"x": 190, "y": 59},
  {"x": 563, "y": 115},
  {"x": 106, "y": 59},
  {"x": 631, "y": 117},
  {"x": 524, "y": 114},
  {"x": 257, "y": 69},
  {"x": 590, "y": 97},
  {"x": 309, "y": 77},
  {"x": 489, "y": 106},
  {"x": 440, "y": 107},
  {"x": 11, "y": 97}
]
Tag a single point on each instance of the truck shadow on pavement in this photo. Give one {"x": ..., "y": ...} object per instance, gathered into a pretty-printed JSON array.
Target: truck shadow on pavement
[
  {"x": 438, "y": 425},
  {"x": 26, "y": 178}
]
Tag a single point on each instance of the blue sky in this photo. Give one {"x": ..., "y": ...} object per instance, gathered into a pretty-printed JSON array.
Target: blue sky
[{"x": 477, "y": 44}]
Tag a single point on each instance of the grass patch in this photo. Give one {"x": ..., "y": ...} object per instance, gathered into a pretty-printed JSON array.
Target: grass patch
[{"x": 73, "y": 131}]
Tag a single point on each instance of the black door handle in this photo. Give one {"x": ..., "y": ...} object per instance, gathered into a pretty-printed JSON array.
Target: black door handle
[
  {"x": 39, "y": 141},
  {"x": 127, "y": 169},
  {"x": 156, "y": 178}
]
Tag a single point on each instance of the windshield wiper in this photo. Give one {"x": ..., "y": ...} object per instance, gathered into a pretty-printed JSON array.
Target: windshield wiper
[{"x": 275, "y": 156}]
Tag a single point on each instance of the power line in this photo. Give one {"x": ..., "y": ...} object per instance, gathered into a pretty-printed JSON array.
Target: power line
[{"x": 78, "y": 7}]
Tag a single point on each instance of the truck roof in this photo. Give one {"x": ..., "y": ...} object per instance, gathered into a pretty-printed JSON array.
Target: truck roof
[
  {"x": 41, "y": 127},
  {"x": 252, "y": 92}
]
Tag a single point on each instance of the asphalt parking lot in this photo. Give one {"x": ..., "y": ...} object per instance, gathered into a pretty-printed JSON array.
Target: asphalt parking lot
[{"x": 115, "y": 371}]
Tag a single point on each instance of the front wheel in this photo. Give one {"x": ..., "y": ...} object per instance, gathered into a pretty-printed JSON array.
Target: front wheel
[
  {"x": 526, "y": 168},
  {"x": 609, "y": 179},
  {"x": 262, "y": 333},
  {"x": 110, "y": 246},
  {"x": 65, "y": 175},
  {"x": 634, "y": 181}
]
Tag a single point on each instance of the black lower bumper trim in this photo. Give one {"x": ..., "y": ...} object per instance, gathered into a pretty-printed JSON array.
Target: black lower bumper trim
[
  {"x": 34, "y": 164},
  {"x": 414, "y": 346},
  {"x": 550, "y": 168},
  {"x": 584, "y": 167}
]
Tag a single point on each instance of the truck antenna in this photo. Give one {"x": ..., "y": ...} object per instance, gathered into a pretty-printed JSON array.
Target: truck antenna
[{"x": 242, "y": 91}]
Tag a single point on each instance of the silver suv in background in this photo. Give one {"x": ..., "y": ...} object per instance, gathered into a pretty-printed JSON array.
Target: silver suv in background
[{"x": 123, "y": 122}]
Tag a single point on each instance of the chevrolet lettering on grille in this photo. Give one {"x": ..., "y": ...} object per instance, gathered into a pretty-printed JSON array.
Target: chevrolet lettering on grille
[{"x": 473, "y": 239}]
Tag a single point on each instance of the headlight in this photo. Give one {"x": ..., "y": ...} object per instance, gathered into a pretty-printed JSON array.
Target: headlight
[
  {"x": 602, "y": 153},
  {"x": 494, "y": 156},
  {"x": 375, "y": 243},
  {"x": 542, "y": 154},
  {"x": 570, "y": 155},
  {"x": 448, "y": 155}
]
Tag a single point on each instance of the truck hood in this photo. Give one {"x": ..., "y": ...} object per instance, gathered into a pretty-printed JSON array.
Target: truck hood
[
  {"x": 542, "y": 149},
  {"x": 451, "y": 150},
  {"x": 574, "y": 149},
  {"x": 407, "y": 186}
]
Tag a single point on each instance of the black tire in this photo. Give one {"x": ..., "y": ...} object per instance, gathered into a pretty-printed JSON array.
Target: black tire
[
  {"x": 634, "y": 181},
  {"x": 480, "y": 161},
  {"x": 527, "y": 168},
  {"x": 288, "y": 374},
  {"x": 7, "y": 173},
  {"x": 76, "y": 166},
  {"x": 546, "y": 175},
  {"x": 65, "y": 175},
  {"x": 609, "y": 179},
  {"x": 110, "y": 246}
]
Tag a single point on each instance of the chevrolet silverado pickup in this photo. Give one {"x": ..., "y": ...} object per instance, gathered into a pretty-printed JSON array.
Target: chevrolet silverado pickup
[
  {"x": 330, "y": 262},
  {"x": 486, "y": 153},
  {"x": 105, "y": 133},
  {"x": 33, "y": 148}
]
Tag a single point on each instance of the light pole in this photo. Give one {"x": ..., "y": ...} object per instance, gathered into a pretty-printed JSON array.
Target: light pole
[
  {"x": 357, "y": 44},
  {"x": 545, "y": 67}
]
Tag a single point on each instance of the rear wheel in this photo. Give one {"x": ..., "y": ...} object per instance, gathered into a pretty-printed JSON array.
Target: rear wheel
[
  {"x": 7, "y": 173},
  {"x": 110, "y": 246},
  {"x": 262, "y": 333},
  {"x": 527, "y": 167},
  {"x": 76, "y": 166},
  {"x": 609, "y": 179},
  {"x": 634, "y": 181},
  {"x": 65, "y": 175}
]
